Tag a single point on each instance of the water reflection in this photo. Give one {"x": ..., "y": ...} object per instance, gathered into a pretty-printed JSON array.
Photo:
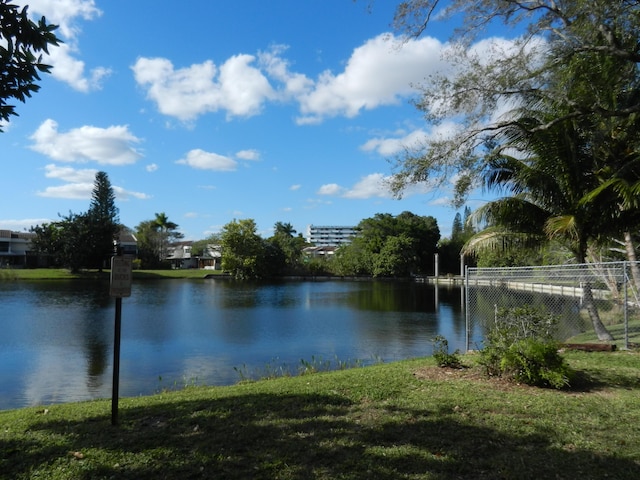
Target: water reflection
[{"x": 57, "y": 337}]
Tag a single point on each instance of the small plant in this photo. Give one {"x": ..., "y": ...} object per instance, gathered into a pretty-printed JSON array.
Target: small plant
[
  {"x": 441, "y": 353},
  {"x": 521, "y": 346},
  {"x": 536, "y": 363}
]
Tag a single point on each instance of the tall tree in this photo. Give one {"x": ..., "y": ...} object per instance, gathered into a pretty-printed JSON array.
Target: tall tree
[
  {"x": 83, "y": 240},
  {"x": 287, "y": 249},
  {"x": 547, "y": 177},
  {"x": 22, "y": 43},
  {"x": 243, "y": 250},
  {"x": 387, "y": 235},
  {"x": 479, "y": 86},
  {"x": 167, "y": 232},
  {"x": 103, "y": 215}
]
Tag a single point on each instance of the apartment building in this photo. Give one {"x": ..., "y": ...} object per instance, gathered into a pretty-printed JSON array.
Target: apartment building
[
  {"x": 14, "y": 248},
  {"x": 330, "y": 235}
]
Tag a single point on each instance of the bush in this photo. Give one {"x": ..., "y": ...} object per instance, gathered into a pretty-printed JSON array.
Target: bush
[
  {"x": 521, "y": 346},
  {"x": 535, "y": 362},
  {"x": 441, "y": 353}
]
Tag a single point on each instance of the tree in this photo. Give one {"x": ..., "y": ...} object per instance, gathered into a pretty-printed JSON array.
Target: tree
[
  {"x": 22, "y": 43},
  {"x": 103, "y": 216},
  {"x": 48, "y": 243},
  {"x": 287, "y": 249},
  {"x": 384, "y": 234},
  {"x": 557, "y": 34},
  {"x": 82, "y": 240},
  {"x": 243, "y": 250},
  {"x": 148, "y": 251},
  {"x": 167, "y": 233},
  {"x": 450, "y": 249},
  {"x": 547, "y": 175},
  {"x": 154, "y": 236},
  {"x": 396, "y": 257}
]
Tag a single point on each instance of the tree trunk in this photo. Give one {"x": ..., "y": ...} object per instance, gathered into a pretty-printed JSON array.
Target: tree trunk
[
  {"x": 590, "y": 304},
  {"x": 631, "y": 256}
]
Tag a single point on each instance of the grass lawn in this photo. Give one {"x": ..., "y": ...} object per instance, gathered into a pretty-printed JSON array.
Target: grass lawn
[
  {"x": 61, "y": 273},
  {"x": 407, "y": 419}
]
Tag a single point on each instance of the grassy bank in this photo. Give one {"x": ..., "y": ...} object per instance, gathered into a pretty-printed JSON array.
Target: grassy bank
[
  {"x": 402, "y": 420},
  {"x": 64, "y": 274}
]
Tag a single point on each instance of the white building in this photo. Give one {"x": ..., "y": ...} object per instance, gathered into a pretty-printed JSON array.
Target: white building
[
  {"x": 330, "y": 235},
  {"x": 14, "y": 248}
]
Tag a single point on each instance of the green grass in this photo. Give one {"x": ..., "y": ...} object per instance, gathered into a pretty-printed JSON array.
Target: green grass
[
  {"x": 618, "y": 332},
  {"x": 64, "y": 274},
  {"x": 401, "y": 420}
]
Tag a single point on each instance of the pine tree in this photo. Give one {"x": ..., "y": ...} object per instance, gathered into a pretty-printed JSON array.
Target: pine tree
[{"x": 104, "y": 221}]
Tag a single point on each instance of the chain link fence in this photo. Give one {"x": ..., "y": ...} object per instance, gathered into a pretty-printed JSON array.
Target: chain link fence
[{"x": 575, "y": 295}]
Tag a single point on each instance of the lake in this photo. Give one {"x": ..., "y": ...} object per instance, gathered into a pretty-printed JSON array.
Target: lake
[{"x": 56, "y": 337}]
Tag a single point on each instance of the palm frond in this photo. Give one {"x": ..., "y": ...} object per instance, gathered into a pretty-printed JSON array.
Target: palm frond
[{"x": 501, "y": 239}]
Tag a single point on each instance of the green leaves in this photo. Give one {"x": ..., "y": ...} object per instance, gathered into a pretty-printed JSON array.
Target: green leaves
[{"x": 20, "y": 58}]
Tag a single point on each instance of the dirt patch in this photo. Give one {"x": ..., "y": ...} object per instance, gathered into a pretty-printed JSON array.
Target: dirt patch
[
  {"x": 473, "y": 374},
  {"x": 581, "y": 384}
]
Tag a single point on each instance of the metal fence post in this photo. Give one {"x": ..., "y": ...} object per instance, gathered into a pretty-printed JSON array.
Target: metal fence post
[
  {"x": 466, "y": 307},
  {"x": 625, "y": 284}
]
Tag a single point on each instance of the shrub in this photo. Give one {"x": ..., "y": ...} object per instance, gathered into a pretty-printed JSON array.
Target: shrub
[
  {"x": 441, "y": 353},
  {"x": 521, "y": 346}
]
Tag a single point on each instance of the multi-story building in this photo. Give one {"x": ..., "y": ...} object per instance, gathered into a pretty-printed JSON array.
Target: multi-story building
[
  {"x": 14, "y": 248},
  {"x": 330, "y": 236}
]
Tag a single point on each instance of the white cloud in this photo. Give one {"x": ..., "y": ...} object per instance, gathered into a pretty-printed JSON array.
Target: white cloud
[
  {"x": 401, "y": 141},
  {"x": 248, "y": 155},
  {"x": 186, "y": 93},
  {"x": 80, "y": 184},
  {"x": 380, "y": 72},
  {"x": 21, "y": 225},
  {"x": 152, "y": 167},
  {"x": 69, "y": 174},
  {"x": 124, "y": 195},
  {"x": 374, "y": 185},
  {"x": 330, "y": 189},
  {"x": 394, "y": 145},
  {"x": 370, "y": 186},
  {"x": 202, "y": 160},
  {"x": 106, "y": 146},
  {"x": 70, "y": 70},
  {"x": 295, "y": 187},
  {"x": 294, "y": 84},
  {"x": 65, "y": 14},
  {"x": 72, "y": 191},
  {"x": 83, "y": 191}
]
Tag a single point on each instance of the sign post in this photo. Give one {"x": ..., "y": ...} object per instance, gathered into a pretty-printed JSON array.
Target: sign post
[{"x": 119, "y": 286}]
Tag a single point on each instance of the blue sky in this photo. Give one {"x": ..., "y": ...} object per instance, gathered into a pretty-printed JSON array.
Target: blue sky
[{"x": 209, "y": 111}]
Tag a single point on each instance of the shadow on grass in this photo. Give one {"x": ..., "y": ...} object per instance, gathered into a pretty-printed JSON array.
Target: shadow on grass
[{"x": 294, "y": 437}]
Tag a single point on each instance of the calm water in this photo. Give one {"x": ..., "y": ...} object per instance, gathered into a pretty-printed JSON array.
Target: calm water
[{"x": 56, "y": 338}]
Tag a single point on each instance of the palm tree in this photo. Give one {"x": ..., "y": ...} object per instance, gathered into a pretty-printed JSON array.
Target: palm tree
[
  {"x": 166, "y": 230},
  {"x": 547, "y": 173},
  {"x": 285, "y": 229}
]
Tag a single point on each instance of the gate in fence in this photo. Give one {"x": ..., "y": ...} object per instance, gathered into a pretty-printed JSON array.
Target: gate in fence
[{"x": 576, "y": 295}]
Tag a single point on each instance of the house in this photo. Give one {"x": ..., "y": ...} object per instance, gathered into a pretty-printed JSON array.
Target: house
[
  {"x": 15, "y": 249},
  {"x": 128, "y": 243},
  {"x": 179, "y": 254}
]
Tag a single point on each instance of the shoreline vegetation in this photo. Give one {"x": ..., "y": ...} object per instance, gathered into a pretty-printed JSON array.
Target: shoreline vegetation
[
  {"x": 65, "y": 274},
  {"x": 407, "y": 419}
]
